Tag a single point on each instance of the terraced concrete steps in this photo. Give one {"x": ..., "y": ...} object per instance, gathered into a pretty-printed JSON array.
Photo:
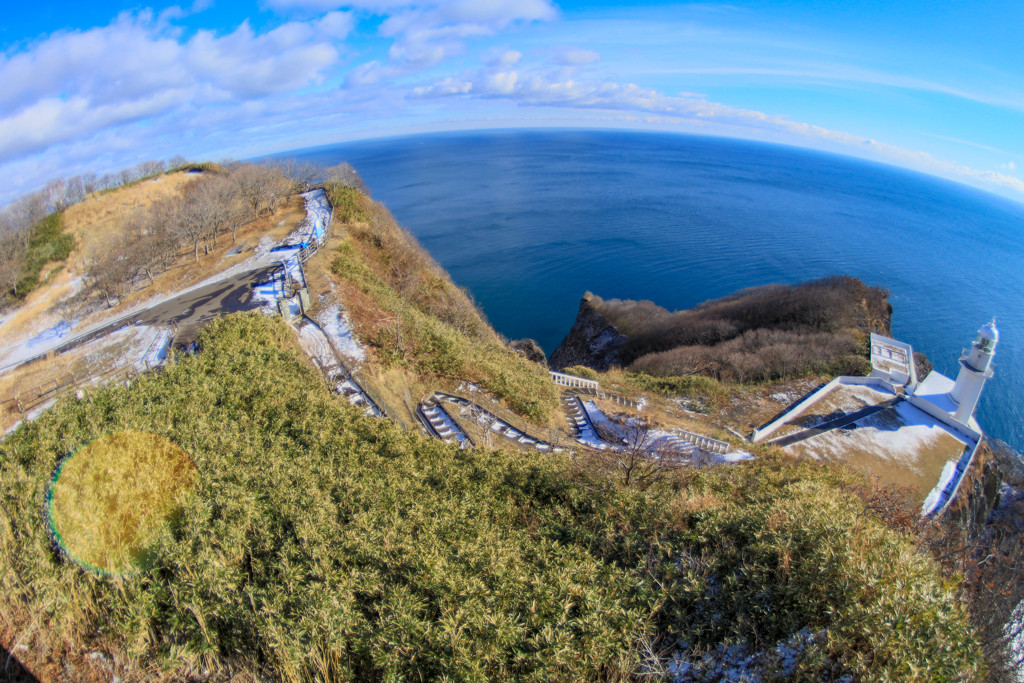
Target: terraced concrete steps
[{"x": 439, "y": 422}]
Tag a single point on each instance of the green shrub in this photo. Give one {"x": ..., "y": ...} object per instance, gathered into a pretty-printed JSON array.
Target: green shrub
[
  {"x": 581, "y": 371},
  {"x": 321, "y": 544},
  {"x": 345, "y": 200},
  {"x": 700, "y": 387},
  {"x": 48, "y": 243}
]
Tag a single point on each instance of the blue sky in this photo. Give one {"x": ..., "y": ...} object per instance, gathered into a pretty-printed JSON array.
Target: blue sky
[{"x": 934, "y": 86}]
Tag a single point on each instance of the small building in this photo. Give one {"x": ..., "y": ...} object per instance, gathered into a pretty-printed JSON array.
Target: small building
[{"x": 922, "y": 434}]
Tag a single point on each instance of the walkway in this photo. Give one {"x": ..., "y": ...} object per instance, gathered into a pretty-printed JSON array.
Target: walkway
[
  {"x": 318, "y": 347},
  {"x": 835, "y": 423},
  {"x": 440, "y": 422}
]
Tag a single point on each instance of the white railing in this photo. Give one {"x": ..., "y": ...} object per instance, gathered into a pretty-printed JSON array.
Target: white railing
[
  {"x": 703, "y": 442},
  {"x": 574, "y": 381}
]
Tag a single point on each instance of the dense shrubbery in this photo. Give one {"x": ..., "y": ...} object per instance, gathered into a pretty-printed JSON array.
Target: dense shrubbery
[
  {"x": 47, "y": 243},
  {"x": 320, "y": 543},
  {"x": 764, "y": 333},
  {"x": 417, "y": 316}
]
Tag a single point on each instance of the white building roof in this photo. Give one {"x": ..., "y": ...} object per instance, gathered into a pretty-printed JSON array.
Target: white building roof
[{"x": 935, "y": 389}]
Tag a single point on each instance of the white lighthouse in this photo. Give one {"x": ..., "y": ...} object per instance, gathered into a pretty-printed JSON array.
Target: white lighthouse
[{"x": 975, "y": 369}]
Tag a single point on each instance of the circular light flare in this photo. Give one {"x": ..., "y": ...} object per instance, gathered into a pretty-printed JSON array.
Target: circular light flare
[{"x": 109, "y": 503}]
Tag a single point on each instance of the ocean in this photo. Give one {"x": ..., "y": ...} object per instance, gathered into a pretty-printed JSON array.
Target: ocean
[{"x": 528, "y": 220}]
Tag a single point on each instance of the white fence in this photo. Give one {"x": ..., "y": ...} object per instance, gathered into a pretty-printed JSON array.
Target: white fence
[
  {"x": 703, "y": 442},
  {"x": 574, "y": 381}
]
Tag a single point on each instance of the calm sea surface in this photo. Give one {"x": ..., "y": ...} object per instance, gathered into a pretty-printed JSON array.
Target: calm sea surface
[{"x": 530, "y": 220}]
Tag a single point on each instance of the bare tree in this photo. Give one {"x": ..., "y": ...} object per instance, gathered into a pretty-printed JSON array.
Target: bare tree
[
  {"x": 640, "y": 456},
  {"x": 90, "y": 182},
  {"x": 108, "y": 181},
  {"x": 345, "y": 174},
  {"x": 301, "y": 173},
  {"x": 12, "y": 250},
  {"x": 220, "y": 196},
  {"x": 109, "y": 273},
  {"x": 259, "y": 186},
  {"x": 126, "y": 175},
  {"x": 150, "y": 168},
  {"x": 197, "y": 215}
]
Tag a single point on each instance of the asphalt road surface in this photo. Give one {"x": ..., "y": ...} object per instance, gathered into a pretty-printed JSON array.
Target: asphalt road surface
[
  {"x": 189, "y": 311},
  {"x": 193, "y": 309}
]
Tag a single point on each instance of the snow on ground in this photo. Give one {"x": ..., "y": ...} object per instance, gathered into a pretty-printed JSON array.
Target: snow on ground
[
  {"x": 1014, "y": 630},
  {"x": 733, "y": 456},
  {"x": 39, "y": 344},
  {"x": 316, "y": 347},
  {"x": 739, "y": 662},
  {"x": 335, "y": 324},
  {"x": 587, "y": 436},
  {"x": 902, "y": 433},
  {"x": 601, "y": 421}
]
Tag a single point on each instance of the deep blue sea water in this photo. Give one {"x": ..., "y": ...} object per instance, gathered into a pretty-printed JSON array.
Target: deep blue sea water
[{"x": 530, "y": 220}]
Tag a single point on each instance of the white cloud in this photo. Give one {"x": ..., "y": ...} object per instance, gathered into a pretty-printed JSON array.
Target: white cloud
[
  {"x": 542, "y": 89},
  {"x": 75, "y": 83},
  {"x": 575, "y": 56},
  {"x": 1009, "y": 166},
  {"x": 426, "y": 33},
  {"x": 503, "y": 58}
]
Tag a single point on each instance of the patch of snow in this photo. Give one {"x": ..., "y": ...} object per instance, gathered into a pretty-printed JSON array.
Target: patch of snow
[
  {"x": 315, "y": 344},
  {"x": 336, "y": 325},
  {"x": 897, "y": 434},
  {"x": 1014, "y": 630},
  {"x": 600, "y": 420},
  {"x": 935, "y": 495},
  {"x": 42, "y": 408},
  {"x": 733, "y": 456},
  {"x": 739, "y": 662},
  {"x": 37, "y": 345}
]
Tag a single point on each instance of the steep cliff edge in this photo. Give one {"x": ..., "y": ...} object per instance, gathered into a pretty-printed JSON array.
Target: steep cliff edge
[
  {"x": 593, "y": 341},
  {"x": 759, "y": 334}
]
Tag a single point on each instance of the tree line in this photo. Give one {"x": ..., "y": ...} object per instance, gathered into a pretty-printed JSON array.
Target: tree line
[
  {"x": 759, "y": 334},
  {"x": 219, "y": 201}
]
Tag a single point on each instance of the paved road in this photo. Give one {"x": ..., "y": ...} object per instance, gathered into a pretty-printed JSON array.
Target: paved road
[
  {"x": 191, "y": 309},
  {"x": 834, "y": 424}
]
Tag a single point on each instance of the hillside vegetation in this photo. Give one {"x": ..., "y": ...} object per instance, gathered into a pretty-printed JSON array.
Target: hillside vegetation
[
  {"x": 411, "y": 313},
  {"x": 320, "y": 544},
  {"x": 760, "y": 334}
]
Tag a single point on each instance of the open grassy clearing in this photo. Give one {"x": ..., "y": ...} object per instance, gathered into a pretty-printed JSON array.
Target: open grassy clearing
[
  {"x": 321, "y": 544},
  {"x": 98, "y": 224}
]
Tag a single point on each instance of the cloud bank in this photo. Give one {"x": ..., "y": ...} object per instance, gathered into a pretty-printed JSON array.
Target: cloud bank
[{"x": 144, "y": 87}]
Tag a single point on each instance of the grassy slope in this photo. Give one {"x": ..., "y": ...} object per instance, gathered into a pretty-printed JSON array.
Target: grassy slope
[
  {"x": 323, "y": 543},
  {"x": 412, "y": 315}
]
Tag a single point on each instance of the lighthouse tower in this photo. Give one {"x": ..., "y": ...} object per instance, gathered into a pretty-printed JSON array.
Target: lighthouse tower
[{"x": 975, "y": 368}]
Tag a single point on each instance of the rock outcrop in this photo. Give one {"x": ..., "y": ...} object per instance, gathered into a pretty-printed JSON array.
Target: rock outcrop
[
  {"x": 529, "y": 349},
  {"x": 592, "y": 341}
]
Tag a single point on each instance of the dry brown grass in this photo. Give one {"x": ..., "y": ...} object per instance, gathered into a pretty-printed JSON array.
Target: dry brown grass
[
  {"x": 98, "y": 223},
  {"x": 93, "y": 222}
]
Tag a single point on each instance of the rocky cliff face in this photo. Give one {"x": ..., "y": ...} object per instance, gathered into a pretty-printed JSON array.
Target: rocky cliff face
[
  {"x": 592, "y": 341},
  {"x": 529, "y": 349}
]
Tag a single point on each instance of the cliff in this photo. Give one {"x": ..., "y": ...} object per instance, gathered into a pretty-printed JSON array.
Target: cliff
[
  {"x": 759, "y": 334},
  {"x": 593, "y": 341}
]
